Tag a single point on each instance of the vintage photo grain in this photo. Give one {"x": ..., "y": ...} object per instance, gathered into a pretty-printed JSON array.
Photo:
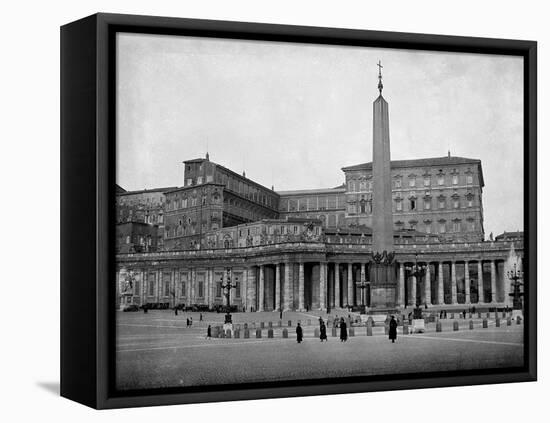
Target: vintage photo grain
[{"x": 290, "y": 211}]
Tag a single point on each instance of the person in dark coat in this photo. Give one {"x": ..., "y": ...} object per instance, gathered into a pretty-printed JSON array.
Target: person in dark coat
[
  {"x": 188, "y": 322},
  {"x": 299, "y": 334},
  {"x": 393, "y": 329},
  {"x": 176, "y": 310},
  {"x": 209, "y": 332},
  {"x": 323, "y": 332},
  {"x": 343, "y": 331}
]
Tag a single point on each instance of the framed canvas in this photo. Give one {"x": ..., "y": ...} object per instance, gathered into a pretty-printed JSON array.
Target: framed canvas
[{"x": 259, "y": 211}]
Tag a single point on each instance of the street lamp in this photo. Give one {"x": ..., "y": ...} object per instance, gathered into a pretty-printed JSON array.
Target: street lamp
[
  {"x": 227, "y": 286},
  {"x": 362, "y": 285},
  {"x": 417, "y": 271},
  {"x": 515, "y": 276}
]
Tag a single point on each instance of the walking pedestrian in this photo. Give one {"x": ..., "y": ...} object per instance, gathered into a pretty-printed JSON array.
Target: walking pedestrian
[
  {"x": 187, "y": 325},
  {"x": 200, "y": 317},
  {"x": 343, "y": 331},
  {"x": 209, "y": 332},
  {"x": 323, "y": 332},
  {"x": 299, "y": 334},
  {"x": 176, "y": 310},
  {"x": 393, "y": 329}
]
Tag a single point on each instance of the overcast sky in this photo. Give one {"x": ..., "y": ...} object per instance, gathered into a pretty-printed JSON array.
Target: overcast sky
[{"x": 292, "y": 115}]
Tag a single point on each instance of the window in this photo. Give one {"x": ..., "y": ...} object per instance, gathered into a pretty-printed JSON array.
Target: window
[
  {"x": 456, "y": 203},
  {"x": 189, "y": 181},
  {"x": 199, "y": 180},
  {"x": 127, "y": 239},
  {"x": 183, "y": 283},
  {"x": 363, "y": 206},
  {"x": 398, "y": 183},
  {"x": 412, "y": 225},
  {"x": 469, "y": 179},
  {"x": 167, "y": 285},
  {"x": 427, "y": 182},
  {"x": 456, "y": 226},
  {"x": 218, "y": 289},
  {"x": 136, "y": 287},
  {"x": 441, "y": 203},
  {"x": 442, "y": 227},
  {"x": 399, "y": 206},
  {"x": 412, "y": 205},
  {"x": 440, "y": 180},
  {"x": 362, "y": 186},
  {"x": 427, "y": 204},
  {"x": 455, "y": 179},
  {"x": 237, "y": 289},
  {"x": 295, "y": 229},
  {"x": 412, "y": 182},
  {"x": 201, "y": 289},
  {"x": 428, "y": 228}
]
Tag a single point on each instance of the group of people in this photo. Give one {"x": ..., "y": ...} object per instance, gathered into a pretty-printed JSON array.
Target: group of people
[{"x": 343, "y": 331}]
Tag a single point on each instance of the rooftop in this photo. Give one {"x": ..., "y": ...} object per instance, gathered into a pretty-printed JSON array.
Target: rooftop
[{"x": 433, "y": 161}]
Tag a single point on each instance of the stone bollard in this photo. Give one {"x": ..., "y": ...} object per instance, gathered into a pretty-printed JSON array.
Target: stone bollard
[
  {"x": 455, "y": 325},
  {"x": 246, "y": 325},
  {"x": 316, "y": 333},
  {"x": 471, "y": 324},
  {"x": 246, "y": 333},
  {"x": 237, "y": 333},
  {"x": 270, "y": 324},
  {"x": 497, "y": 322},
  {"x": 289, "y": 323},
  {"x": 309, "y": 322},
  {"x": 270, "y": 333},
  {"x": 518, "y": 320},
  {"x": 334, "y": 332},
  {"x": 485, "y": 325},
  {"x": 509, "y": 321},
  {"x": 369, "y": 329},
  {"x": 285, "y": 333},
  {"x": 258, "y": 333},
  {"x": 228, "y": 333},
  {"x": 351, "y": 332},
  {"x": 438, "y": 327},
  {"x": 279, "y": 323},
  {"x": 262, "y": 325},
  {"x": 405, "y": 328}
]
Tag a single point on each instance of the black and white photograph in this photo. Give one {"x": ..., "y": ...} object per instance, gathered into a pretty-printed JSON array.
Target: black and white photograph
[{"x": 293, "y": 212}]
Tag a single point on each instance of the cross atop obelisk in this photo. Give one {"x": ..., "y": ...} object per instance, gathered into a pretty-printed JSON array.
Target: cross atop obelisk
[{"x": 380, "y": 85}]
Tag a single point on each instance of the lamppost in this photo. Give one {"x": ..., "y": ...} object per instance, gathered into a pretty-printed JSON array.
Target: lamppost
[
  {"x": 362, "y": 285},
  {"x": 227, "y": 286},
  {"x": 417, "y": 271},
  {"x": 515, "y": 276}
]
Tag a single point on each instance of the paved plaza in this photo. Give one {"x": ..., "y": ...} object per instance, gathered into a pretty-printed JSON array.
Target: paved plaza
[{"x": 158, "y": 350}]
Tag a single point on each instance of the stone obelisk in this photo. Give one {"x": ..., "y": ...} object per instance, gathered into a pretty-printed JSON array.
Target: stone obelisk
[{"x": 383, "y": 280}]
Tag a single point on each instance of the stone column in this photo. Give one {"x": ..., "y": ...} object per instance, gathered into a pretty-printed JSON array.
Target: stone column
[
  {"x": 440, "y": 287},
  {"x": 252, "y": 287},
  {"x": 466, "y": 283},
  {"x": 261, "y": 289},
  {"x": 337, "y": 285},
  {"x": 159, "y": 285},
  {"x": 211, "y": 288},
  {"x": 493, "y": 282},
  {"x": 401, "y": 288},
  {"x": 453, "y": 283},
  {"x": 428, "y": 285},
  {"x": 286, "y": 291},
  {"x": 277, "y": 287},
  {"x": 413, "y": 291},
  {"x": 322, "y": 285},
  {"x": 174, "y": 287},
  {"x": 363, "y": 279},
  {"x": 143, "y": 286},
  {"x": 480, "y": 291},
  {"x": 350, "y": 284},
  {"x": 301, "y": 306}
]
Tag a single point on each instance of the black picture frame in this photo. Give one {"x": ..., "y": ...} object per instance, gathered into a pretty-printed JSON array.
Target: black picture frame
[{"x": 87, "y": 206}]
